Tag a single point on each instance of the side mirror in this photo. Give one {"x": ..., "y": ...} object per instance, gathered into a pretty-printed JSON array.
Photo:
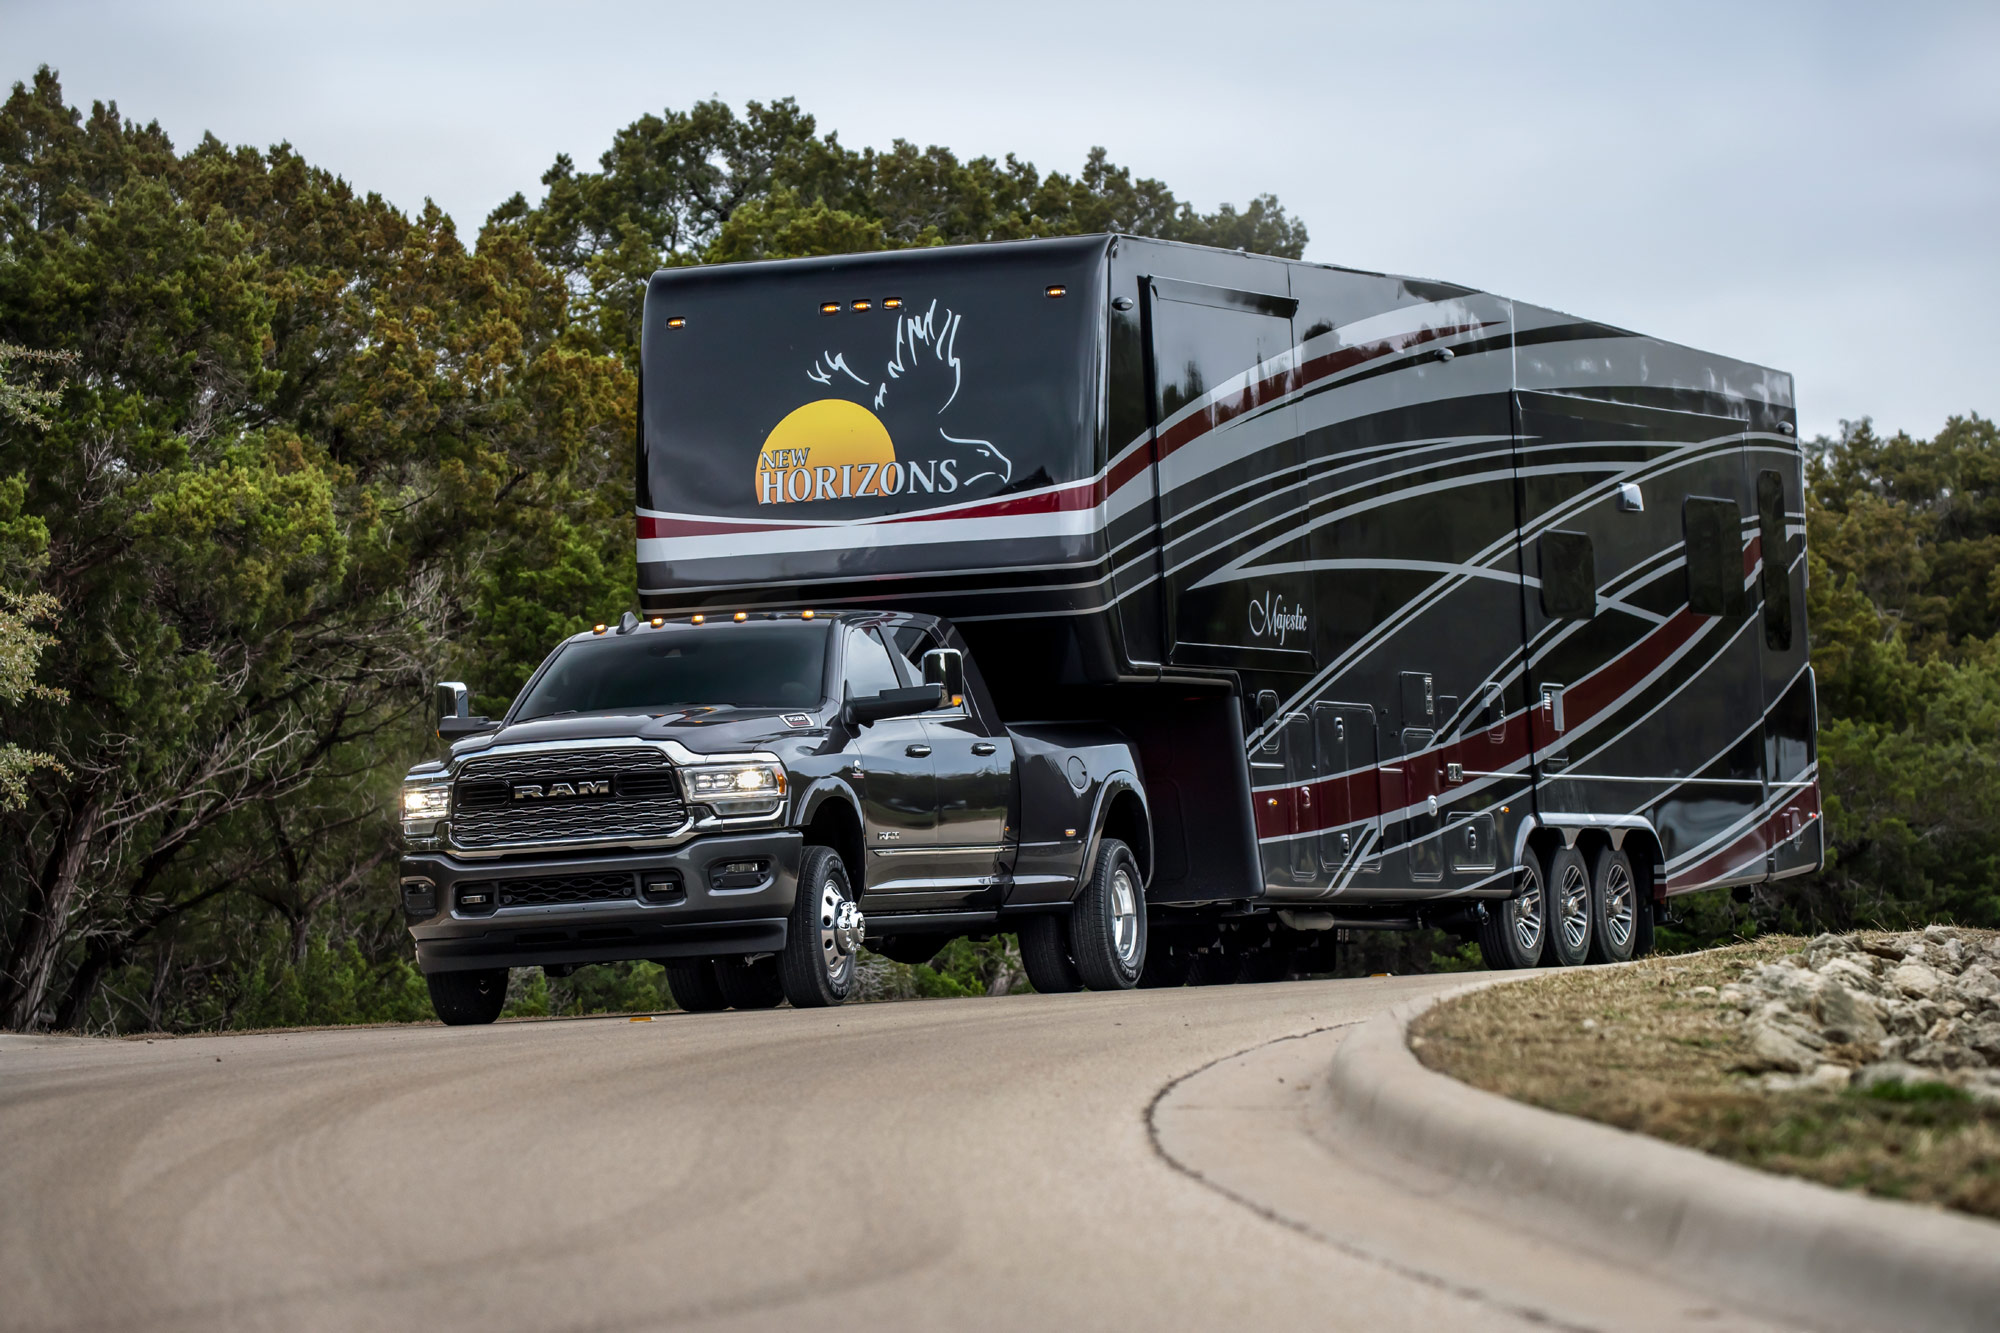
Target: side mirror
[
  {"x": 945, "y": 667},
  {"x": 873, "y": 708},
  {"x": 454, "y": 707}
]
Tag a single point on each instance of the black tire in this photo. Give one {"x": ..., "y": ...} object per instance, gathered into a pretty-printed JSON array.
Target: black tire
[
  {"x": 914, "y": 950},
  {"x": 1045, "y": 954},
  {"x": 1512, "y": 933},
  {"x": 692, "y": 980},
  {"x": 1568, "y": 902},
  {"x": 1615, "y": 907},
  {"x": 750, "y": 985},
  {"x": 1107, "y": 926},
  {"x": 817, "y": 968},
  {"x": 467, "y": 999}
]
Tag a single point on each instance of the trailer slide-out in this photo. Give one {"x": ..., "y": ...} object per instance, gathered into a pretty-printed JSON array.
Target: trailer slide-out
[{"x": 1416, "y": 603}]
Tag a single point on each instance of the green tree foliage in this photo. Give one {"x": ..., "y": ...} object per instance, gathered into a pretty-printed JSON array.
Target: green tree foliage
[{"x": 282, "y": 454}]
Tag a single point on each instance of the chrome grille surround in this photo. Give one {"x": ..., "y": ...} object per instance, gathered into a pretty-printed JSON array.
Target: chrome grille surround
[{"x": 482, "y": 825}]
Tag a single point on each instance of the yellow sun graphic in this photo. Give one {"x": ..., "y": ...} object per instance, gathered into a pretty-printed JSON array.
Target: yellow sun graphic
[{"x": 830, "y": 449}]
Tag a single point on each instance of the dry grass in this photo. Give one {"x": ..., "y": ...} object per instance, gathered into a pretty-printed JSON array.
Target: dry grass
[{"x": 1631, "y": 1047}]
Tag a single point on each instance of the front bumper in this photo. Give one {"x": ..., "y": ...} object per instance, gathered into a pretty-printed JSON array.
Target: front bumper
[{"x": 711, "y": 910}]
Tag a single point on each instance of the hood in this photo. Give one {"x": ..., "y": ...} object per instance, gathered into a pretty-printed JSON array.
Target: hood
[{"x": 703, "y": 730}]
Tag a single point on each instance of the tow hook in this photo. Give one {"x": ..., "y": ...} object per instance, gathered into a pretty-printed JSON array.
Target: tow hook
[{"x": 848, "y": 928}]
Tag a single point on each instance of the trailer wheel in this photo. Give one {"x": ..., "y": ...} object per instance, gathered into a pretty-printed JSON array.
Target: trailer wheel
[
  {"x": 1511, "y": 933},
  {"x": 1107, "y": 927},
  {"x": 750, "y": 985},
  {"x": 466, "y": 999},
  {"x": 1045, "y": 955},
  {"x": 692, "y": 980},
  {"x": 1568, "y": 900},
  {"x": 823, "y": 935},
  {"x": 1615, "y": 908}
]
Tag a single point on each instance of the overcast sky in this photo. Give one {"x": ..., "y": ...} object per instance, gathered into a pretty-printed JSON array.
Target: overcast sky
[{"x": 1813, "y": 186}]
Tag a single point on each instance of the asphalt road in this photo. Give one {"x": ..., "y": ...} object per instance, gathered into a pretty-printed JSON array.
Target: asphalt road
[{"x": 1038, "y": 1162}]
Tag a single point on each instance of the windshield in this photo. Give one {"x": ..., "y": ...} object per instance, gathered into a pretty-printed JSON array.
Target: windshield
[
  {"x": 933, "y": 381},
  {"x": 653, "y": 670}
]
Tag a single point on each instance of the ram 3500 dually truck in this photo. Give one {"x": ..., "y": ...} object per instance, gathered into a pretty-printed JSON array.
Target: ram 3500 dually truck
[{"x": 747, "y": 798}]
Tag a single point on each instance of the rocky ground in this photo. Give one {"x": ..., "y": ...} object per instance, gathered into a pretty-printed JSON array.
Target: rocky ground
[{"x": 1864, "y": 1010}]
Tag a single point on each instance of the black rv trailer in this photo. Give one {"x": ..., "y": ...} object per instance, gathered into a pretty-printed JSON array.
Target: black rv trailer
[{"x": 1412, "y": 598}]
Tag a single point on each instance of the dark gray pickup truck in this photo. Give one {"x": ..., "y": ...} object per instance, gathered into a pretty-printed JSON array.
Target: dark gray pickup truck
[{"x": 749, "y": 798}]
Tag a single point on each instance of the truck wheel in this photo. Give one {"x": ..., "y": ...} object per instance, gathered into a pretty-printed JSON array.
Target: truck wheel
[
  {"x": 1107, "y": 927},
  {"x": 692, "y": 980},
  {"x": 1511, "y": 933},
  {"x": 1568, "y": 900},
  {"x": 1614, "y": 907},
  {"x": 463, "y": 999},
  {"x": 1045, "y": 955},
  {"x": 750, "y": 985},
  {"x": 817, "y": 968}
]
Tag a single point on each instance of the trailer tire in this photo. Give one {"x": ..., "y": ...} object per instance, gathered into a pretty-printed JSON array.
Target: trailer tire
[
  {"x": 1615, "y": 908},
  {"x": 1107, "y": 927},
  {"x": 468, "y": 999},
  {"x": 1045, "y": 955},
  {"x": 817, "y": 968},
  {"x": 692, "y": 981},
  {"x": 1511, "y": 933},
  {"x": 1568, "y": 899},
  {"x": 748, "y": 984}
]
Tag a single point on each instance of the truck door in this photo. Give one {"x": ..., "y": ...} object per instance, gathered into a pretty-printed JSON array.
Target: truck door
[
  {"x": 1226, "y": 463},
  {"x": 898, "y": 782},
  {"x": 973, "y": 760}
]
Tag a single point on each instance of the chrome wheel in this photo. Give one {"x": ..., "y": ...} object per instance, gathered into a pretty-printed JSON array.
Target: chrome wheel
[
  {"x": 1573, "y": 907},
  {"x": 840, "y": 930},
  {"x": 1621, "y": 913},
  {"x": 1124, "y": 915},
  {"x": 1527, "y": 914}
]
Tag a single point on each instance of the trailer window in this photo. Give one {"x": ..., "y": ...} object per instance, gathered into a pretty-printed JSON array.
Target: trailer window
[
  {"x": 1713, "y": 534},
  {"x": 1569, "y": 576},
  {"x": 1777, "y": 548}
]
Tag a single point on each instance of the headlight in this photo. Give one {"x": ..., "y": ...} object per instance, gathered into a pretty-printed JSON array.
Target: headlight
[
  {"x": 430, "y": 800},
  {"x": 737, "y": 789}
]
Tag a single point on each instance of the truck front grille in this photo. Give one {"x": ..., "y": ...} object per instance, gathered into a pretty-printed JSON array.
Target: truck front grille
[{"x": 608, "y": 795}]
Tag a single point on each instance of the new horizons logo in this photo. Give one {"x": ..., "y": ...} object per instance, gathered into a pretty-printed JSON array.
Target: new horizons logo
[
  {"x": 1271, "y": 619},
  {"x": 838, "y": 448}
]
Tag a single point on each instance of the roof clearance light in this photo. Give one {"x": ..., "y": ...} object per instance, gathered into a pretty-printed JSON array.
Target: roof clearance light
[
  {"x": 892, "y": 303},
  {"x": 677, "y": 322},
  {"x": 657, "y": 621},
  {"x": 860, "y": 305},
  {"x": 598, "y": 629},
  {"x": 829, "y": 307},
  {"x": 696, "y": 620},
  {"x": 1057, "y": 289},
  {"x": 805, "y": 615},
  {"x": 742, "y": 615}
]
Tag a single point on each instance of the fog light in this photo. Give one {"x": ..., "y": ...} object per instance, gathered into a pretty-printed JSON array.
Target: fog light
[
  {"x": 663, "y": 888},
  {"x": 739, "y": 874}
]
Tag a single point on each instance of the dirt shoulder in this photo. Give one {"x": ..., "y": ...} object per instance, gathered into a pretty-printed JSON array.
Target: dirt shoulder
[{"x": 1866, "y": 1061}]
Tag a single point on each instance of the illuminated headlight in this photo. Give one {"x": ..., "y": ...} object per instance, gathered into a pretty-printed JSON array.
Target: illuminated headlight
[
  {"x": 430, "y": 800},
  {"x": 737, "y": 789}
]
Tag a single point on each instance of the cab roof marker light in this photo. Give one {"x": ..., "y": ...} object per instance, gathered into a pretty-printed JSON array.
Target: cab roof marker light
[
  {"x": 599, "y": 628},
  {"x": 892, "y": 303},
  {"x": 657, "y": 621},
  {"x": 1056, "y": 289},
  {"x": 829, "y": 307},
  {"x": 805, "y": 615},
  {"x": 860, "y": 305},
  {"x": 742, "y": 615},
  {"x": 696, "y": 620},
  {"x": 677, "y": 322}
]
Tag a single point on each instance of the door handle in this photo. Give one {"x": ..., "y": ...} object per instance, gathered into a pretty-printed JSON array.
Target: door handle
[
  {"x": 983, "y": 747},
  {"x": 917, "y": 751}
]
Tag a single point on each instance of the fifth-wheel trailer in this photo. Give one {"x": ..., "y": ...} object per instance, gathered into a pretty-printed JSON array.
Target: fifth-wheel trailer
[{"x": 1418, "y": 604}]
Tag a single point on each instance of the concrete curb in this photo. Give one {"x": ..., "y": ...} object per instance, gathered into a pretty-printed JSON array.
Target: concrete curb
[{"x": 1789, "y": 1247}]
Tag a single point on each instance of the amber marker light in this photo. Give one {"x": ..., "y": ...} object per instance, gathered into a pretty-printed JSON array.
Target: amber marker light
[
  {"x": 696, "y": 620},
  {"x": 861, "y": 305},
  {"x": 598, "y": 629},
  {"x": 1057, "y": 289},
  {"x": 829, "y": 307},
  {"x": 742, "y": 615},
  {"x": 892, "y": 303},
  {"x": 805, "y": 615},
  {"x": 657, "y": 621},
  {"x": 677, "y": 322}
]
